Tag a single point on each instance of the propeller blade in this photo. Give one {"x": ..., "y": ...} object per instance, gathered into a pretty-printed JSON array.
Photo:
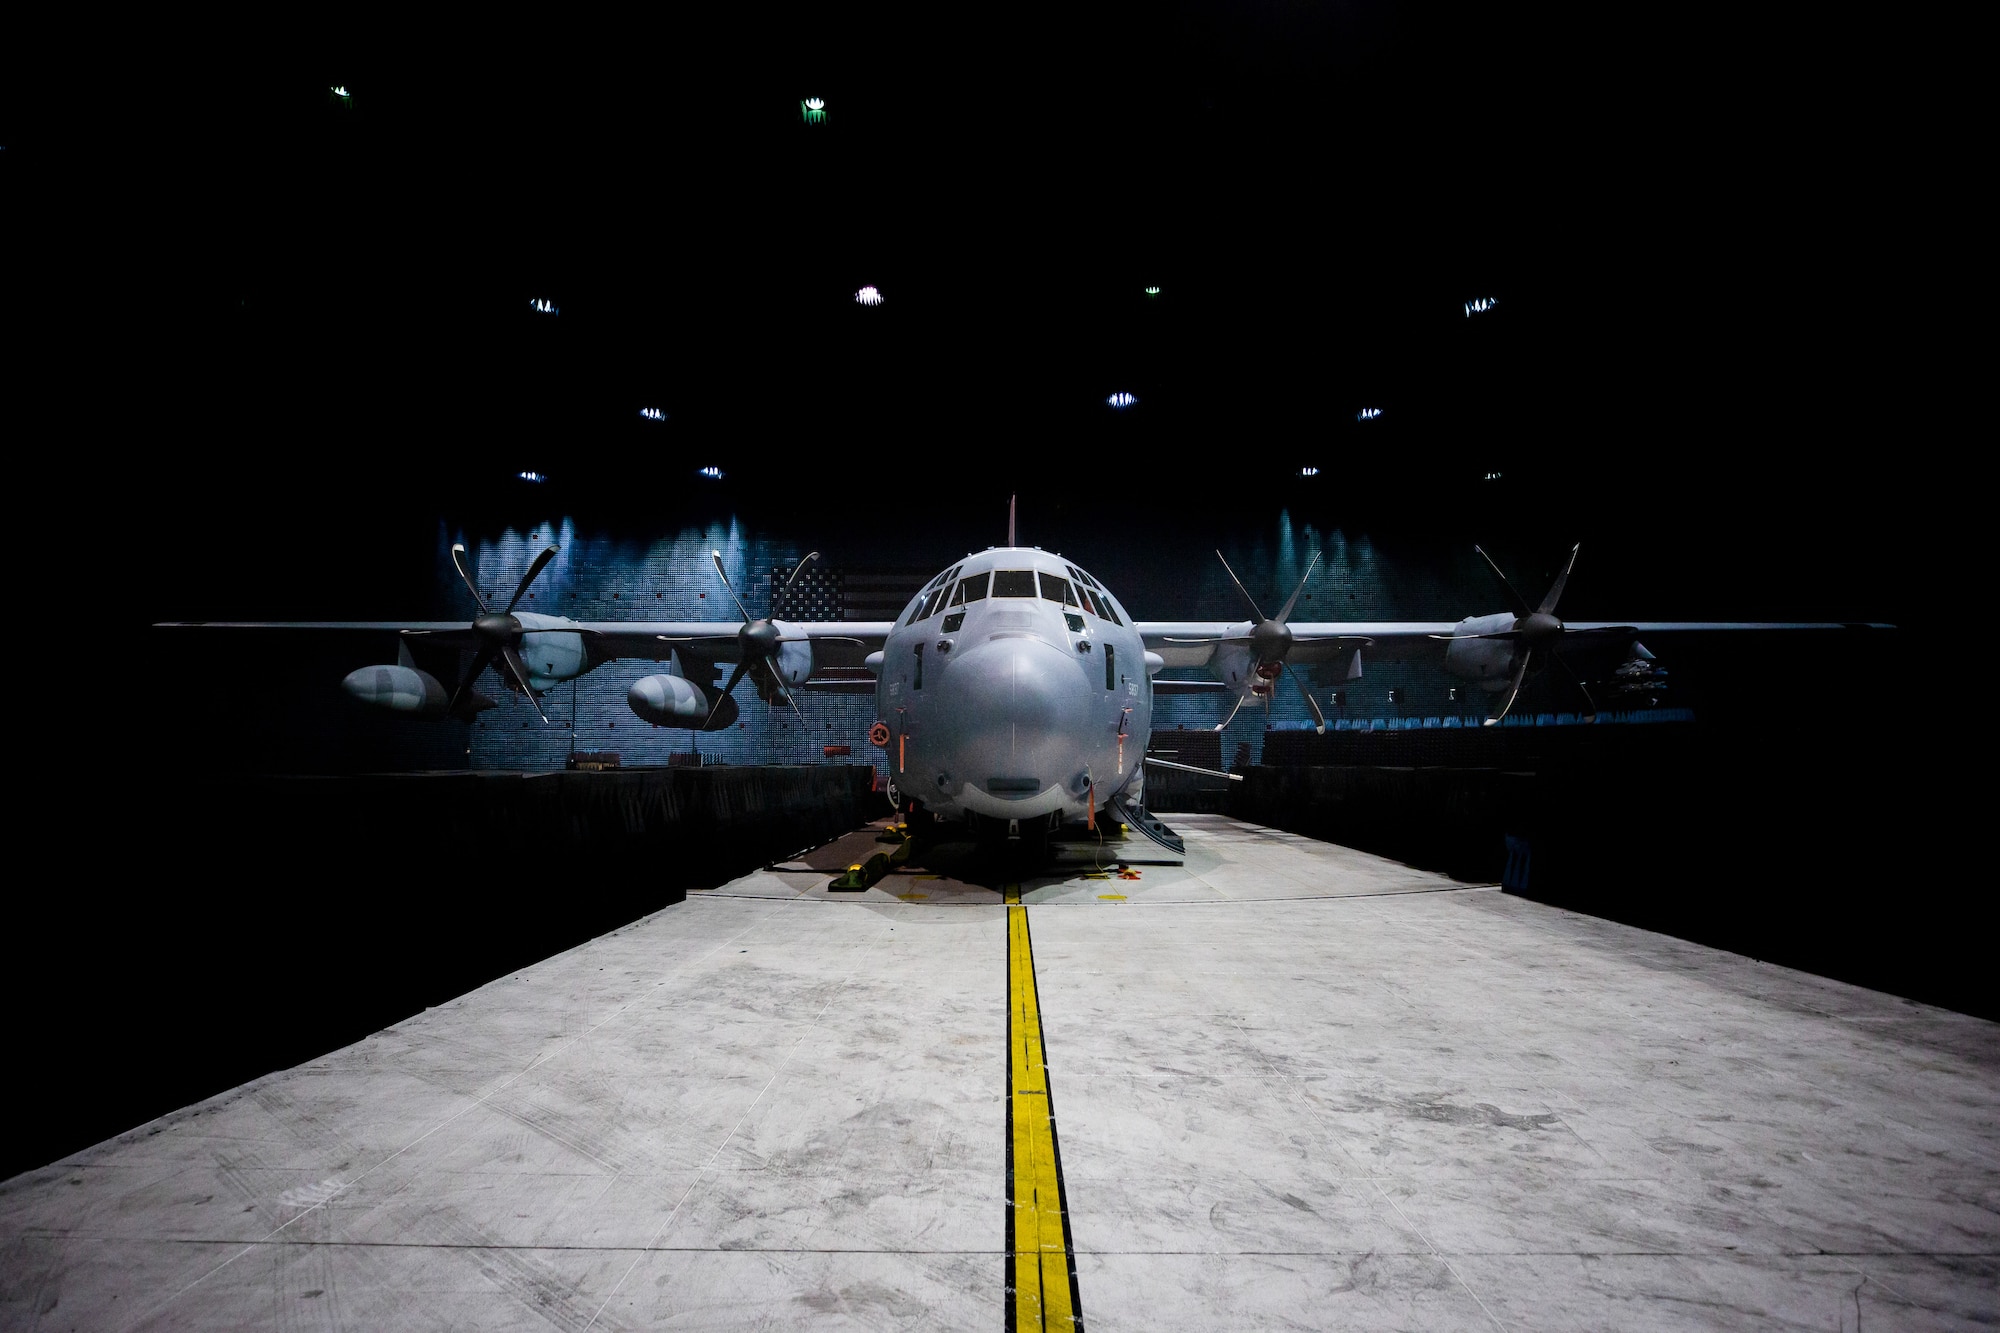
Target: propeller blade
[
  {"x": 458, "y": 559},
  {"x": 1306, "y": 694},
  {"x": 796, "y": 570},
  {"x": 479, "y": 660},
  {"x": 1223, "y": 725},
  {"x": 778, "y": 682},
  {"x": 1292, "y": 601},
  {"x": 1240, "y": 588},
  {"x": 1192, "y": 642},
  {"x": 821, "y": 638},
  {"x": 1548, "y": 605},
  {"x": 715, "y": 707},
  {"x": 541, "y": 563},
  {"x": 696, "y": 638},
  {"x": 1513, "y": 686},
  {"x": 717, "y": 557},
  {"x": 1577, "y": 681},
  {"x": 1520, "y": 602},
  {"x": 519, "y": 669}
]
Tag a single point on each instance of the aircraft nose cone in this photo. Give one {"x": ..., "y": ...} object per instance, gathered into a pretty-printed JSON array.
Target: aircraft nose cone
[{"x": 1016, "y": 709}]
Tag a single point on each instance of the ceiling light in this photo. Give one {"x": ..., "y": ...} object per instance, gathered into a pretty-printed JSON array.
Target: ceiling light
[
  {"x": 533, "y": 476},
  {"x": 712, "y": 473},
  {"x": 545, "y": 307},
  {"x": 813, "y": 111},
  {"x": 1121, "y": 400},
  {"x": 868, "y": 296},
  {"x": 652, "y": 414},
  {"x": 1368, "y": 414},
  {"x": 1480, "y": 305}
]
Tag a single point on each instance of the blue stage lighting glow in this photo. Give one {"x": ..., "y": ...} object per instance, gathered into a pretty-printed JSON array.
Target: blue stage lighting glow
[
  {"x": 1480, "y": 306},
  {"x": 545, "y": 307},
  {"x": 1368, "y": 414},
  {"x": 1121, "y": 400},
  {"x": 652, "y": 414},
  {"x": 868, "y": 296},
  {"x": 712, "y": 473}
]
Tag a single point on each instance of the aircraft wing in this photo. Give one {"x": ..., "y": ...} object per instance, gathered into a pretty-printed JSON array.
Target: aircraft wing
[
  {"x": 1710, "y": 626},
  {"x": 835, "y": 642},
  {"x": 1192, "y": 643}
]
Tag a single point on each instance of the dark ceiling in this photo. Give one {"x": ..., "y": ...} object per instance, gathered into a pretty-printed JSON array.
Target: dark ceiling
[{"x": 331, "y": 300}]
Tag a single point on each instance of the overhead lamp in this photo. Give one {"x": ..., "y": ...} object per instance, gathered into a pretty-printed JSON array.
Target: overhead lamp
[
  {"x": 533, "y": 476},
  {"x": 1121, "y": 400},
  {"x": 813, "y": 111},
  {"x": 652, "y": 414},
  {"x": 868, "y": 296},
  {"x": 545, "y": 307},
  {"x": 1308, "y": 472},
  {"x": 712, "y": 473},
  {"x": 1368, "y": 414},
  {"x": 1480, "y": 305},
  {"x": 1152, "y": 291},
  {"x": 1492, "y": 476}
]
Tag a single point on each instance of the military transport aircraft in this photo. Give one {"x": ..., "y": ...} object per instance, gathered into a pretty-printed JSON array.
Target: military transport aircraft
[{"x": 1014, "y": 692}]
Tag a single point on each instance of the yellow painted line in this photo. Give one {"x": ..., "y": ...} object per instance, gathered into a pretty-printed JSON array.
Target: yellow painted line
[
  {"x": 913, "y": 897},
  {"x": 1111, "y": 897},
  {"x": 1041, "y": 1280}
]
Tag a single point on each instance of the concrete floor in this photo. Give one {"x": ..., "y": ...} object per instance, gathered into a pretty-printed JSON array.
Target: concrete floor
[{"x": 1295, "y": 1086}]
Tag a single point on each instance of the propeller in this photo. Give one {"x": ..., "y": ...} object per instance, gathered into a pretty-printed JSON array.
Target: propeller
[
  {"x": 499, "y": 633},
  {"x": 1270, "y": 640},
  {"x": 756, "y": 640},
  {"x": 1538, "y": 628}
]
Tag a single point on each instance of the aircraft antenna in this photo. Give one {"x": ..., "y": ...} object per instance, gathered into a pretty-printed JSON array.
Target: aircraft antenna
[{"x": 1010, "y": 520}]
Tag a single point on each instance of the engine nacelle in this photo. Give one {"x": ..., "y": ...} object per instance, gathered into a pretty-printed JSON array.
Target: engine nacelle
[
  {"x": 552, "y": 657},
  {"x": 675, "y": 701},
  {"x": 399, "y": 689},
  {"x": 1487, "y": 663}
]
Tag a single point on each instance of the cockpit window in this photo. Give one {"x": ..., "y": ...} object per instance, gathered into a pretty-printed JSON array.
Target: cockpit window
[
  {"x": 930, "y": 603},
  {"x": 1055, "y": 588},
  {"x": 970, "y": 589},
  {"x": 1013, "y": 583},
  {"x": 1110, "y": 611},
  {"x": 1096, "y": 607}
]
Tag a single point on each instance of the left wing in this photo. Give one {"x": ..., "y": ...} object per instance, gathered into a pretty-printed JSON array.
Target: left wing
[{"x": 835, "y": 643}]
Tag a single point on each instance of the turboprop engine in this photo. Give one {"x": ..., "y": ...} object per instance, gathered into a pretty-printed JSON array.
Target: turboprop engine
[
  {"x": 1487, "y": 662},
  {"x": 675, "y": 701}
]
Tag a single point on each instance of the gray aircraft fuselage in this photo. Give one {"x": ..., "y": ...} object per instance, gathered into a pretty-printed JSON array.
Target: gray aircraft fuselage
[{"x": 1014, "y": 687}]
